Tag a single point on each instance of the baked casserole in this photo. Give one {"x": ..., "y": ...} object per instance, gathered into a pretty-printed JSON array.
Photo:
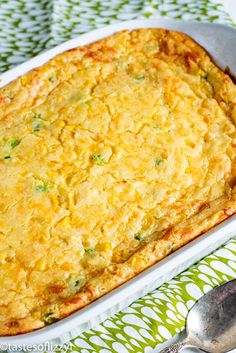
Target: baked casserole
[{"x": 112, "y": 156}]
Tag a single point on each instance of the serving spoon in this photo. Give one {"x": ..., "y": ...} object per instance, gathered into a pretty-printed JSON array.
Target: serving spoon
[{"x": 211, "y": 323}]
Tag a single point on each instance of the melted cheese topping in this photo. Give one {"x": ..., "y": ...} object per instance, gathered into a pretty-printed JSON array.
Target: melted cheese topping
[{"x": 101, "y": 148}]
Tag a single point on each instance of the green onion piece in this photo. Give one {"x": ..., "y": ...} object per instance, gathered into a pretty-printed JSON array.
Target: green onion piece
[
  {"x": 7, "y": 157},
  {"x": 83, "y": 100},
  {"x": 139, "y": 78},
  {"x": 170, "y": 246},
  {"x": 139, "y": 236},
  {"x": 158, "y": 161},
  {"x": 151, "y": 48},
  {"x": 76, "y": 283},
  {"x": 52, "y": 79},
  {"x": 10, "y": 95},
  {"x": 98, "y": 159},
  {"x": 89, "y": 251},
  {"x": 37, "y": 126},
  {"x": 49, "y": 318},
  {"x": 37, "y": 116},
  {"x": 13, "y": 143},
  {"x": 41, "y": 187}
]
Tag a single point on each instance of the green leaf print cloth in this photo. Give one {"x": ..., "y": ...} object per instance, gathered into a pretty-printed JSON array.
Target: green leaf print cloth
[
  {"x": 29, "y": 27},
  {"x": 160, "y": 314}
]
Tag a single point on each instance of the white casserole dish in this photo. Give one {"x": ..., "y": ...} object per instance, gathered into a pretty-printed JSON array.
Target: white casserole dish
[{"x": 220, "y": 43}]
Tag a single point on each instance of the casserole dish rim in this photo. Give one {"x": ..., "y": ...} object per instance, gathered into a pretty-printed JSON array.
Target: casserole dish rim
[{"x": 40, "y": 60}]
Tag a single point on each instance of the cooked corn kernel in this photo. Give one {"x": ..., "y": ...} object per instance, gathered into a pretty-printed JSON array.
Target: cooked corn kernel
[
  {"x": 41, "y": 264},
  {"x": 61, "y": 123}
]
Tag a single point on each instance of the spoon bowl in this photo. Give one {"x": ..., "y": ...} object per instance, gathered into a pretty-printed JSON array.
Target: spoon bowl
[{"x": 211, "y": 323}]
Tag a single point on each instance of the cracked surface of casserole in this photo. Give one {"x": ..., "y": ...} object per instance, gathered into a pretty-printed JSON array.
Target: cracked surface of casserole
[{"x": 112, "y": 156}]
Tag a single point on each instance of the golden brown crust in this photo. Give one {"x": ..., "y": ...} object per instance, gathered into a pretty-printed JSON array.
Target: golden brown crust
[
  {"x": 113, "y": 276},
  {"x": 182, "y": 52}
]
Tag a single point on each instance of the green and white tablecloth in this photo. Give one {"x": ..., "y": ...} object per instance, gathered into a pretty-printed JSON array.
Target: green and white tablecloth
[
  {"x": 30, "y": 26},
  {"x": 161, "y": 314}
]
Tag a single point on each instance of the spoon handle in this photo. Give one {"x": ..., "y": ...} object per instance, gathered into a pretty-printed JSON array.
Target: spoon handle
[{"x": 176, "y": 347}]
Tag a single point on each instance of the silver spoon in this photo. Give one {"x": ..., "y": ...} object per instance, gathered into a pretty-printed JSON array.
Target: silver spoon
[{"x": 211, "y": 323}]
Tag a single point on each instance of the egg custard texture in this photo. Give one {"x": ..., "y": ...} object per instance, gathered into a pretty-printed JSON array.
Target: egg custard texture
[{"x": 112, "y": 156}]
